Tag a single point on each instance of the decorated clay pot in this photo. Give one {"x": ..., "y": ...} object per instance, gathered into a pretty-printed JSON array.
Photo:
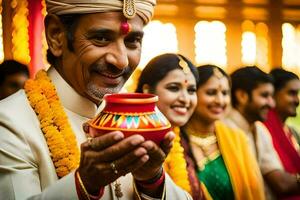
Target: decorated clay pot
[{"x": 132, "y": 113}]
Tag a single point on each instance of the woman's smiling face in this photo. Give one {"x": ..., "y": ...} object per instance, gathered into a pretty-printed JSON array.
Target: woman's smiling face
[
  {"x": 177, "y": 96},
  {"x": 213, "y": 98}
]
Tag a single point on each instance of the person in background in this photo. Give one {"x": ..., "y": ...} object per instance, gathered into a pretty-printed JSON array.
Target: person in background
[
  {"x": 218, "y": 156},
  {"x": 252, "y": 98},
  {"x": 94, "y": 45},
  {"x": 13, "y": 75},
  {"x": 285, "y": 138},
  {"x": 173, "y": 78}
]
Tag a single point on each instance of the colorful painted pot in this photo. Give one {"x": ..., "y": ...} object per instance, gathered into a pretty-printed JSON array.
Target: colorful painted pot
[{"x": 132, "y": 113}]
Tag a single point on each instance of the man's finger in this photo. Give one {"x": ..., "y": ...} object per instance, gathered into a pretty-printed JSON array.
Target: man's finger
[
  {"x": 155, "y": 153},
  {"x": 167, "y": 143},
  {"x": 114, "y": 152},
  {"x": 103, "y": 141},
  {"x": 85, "y": 127},
  {"x": 131, "y": 161}
]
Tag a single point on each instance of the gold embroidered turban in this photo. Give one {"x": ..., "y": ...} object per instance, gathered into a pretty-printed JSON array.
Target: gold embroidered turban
[{"x": 143, "y": 8}]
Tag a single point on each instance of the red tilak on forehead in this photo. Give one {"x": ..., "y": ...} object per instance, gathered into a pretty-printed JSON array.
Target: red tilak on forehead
[{"x": 125, "y": 27}]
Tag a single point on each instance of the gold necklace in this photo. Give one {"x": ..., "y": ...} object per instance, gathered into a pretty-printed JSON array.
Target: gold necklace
[
  {"x": 204, "y": 143},
  {"x": 190, "y": 131},
  {"x": 54, "y": 123}
]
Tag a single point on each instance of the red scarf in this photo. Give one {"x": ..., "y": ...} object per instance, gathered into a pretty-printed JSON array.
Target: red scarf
[
  {"x": 288, "y": 155},
  {"x": 285, "y": 149}
]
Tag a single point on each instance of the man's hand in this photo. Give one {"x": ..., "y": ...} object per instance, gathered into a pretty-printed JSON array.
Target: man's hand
[
  {"x": 282, "y": 183},
  {"x": 126, "y": 154},
  {"x": 157, "y": 156}
]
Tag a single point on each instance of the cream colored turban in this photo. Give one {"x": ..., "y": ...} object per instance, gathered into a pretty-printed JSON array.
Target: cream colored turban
[{"x": 143, "y": 8}]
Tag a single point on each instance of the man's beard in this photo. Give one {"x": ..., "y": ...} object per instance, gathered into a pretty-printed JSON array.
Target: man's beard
[
  {"x": 98, "y": 93},
  {"x": 256, "y": 114},
  {"x": 294, "y": 109}
]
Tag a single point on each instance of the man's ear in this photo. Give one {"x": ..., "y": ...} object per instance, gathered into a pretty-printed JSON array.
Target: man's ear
[
  {"x": 146, "y": 88},
  {"x": 54, "y": 34},
  {"x": 242, "y": 96}
]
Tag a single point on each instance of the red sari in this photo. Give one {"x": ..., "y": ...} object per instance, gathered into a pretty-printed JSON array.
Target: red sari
[{"x": 288, "y": 155}]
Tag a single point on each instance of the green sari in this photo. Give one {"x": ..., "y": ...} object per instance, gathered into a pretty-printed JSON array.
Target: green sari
[{"x": 216, "y": 179}]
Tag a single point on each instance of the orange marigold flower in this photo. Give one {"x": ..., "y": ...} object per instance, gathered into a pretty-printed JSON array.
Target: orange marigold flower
[
  {"x": 59, "y": 136},
  {"x": 175, "y": 164}
]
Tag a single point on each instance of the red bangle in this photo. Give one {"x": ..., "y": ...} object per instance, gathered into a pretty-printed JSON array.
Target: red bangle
[
  {"x": 81, "y": 193},
  {"x": 100, "y": 194},
  {"x": 153, "y": 185}
]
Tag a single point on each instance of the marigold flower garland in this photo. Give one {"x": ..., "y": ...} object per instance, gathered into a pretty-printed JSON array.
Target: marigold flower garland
[
  {"x": 54, "y": 123},
  {"x": 175, "y": 164}
]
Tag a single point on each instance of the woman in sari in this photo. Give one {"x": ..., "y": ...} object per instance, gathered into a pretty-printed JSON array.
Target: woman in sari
[
  {"x": 218, "y": 158},
  {"x": 173, "y": 78}
]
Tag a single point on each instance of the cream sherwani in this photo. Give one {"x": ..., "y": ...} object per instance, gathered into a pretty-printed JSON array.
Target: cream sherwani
[{"x": 26, "y": 169}]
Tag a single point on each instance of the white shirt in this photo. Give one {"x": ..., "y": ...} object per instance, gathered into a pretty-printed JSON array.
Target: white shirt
[{"x": 260, "y": 143}]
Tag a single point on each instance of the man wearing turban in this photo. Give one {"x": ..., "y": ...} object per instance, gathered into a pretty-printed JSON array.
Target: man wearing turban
[{"x": 94, "y": 45}]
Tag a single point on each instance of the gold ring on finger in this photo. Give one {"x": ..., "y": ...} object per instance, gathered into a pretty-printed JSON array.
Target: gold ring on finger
[
  {"x": 90, "y": 142},
  {"x": 114, "y": 168}
]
